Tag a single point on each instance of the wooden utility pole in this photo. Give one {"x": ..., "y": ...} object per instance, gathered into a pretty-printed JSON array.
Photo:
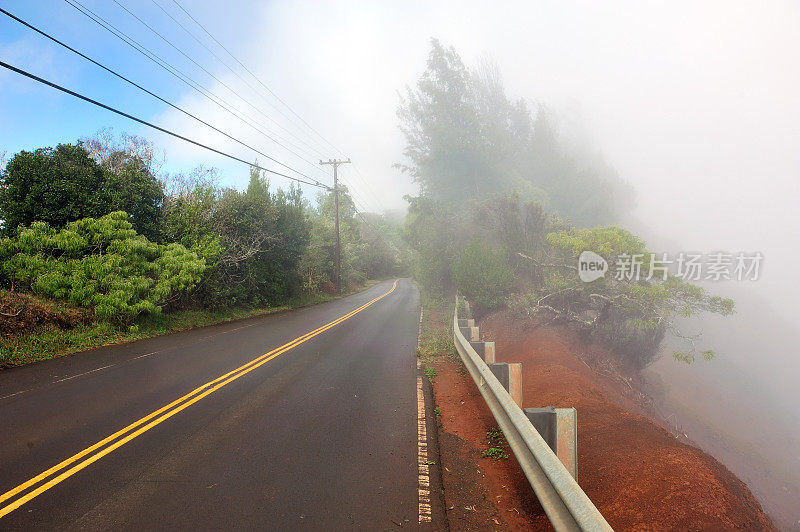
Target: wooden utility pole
[{"x": 338, "y": 264}]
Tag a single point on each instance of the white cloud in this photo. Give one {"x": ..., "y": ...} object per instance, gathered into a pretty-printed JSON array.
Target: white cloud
[{"x": 693, "y": 103}]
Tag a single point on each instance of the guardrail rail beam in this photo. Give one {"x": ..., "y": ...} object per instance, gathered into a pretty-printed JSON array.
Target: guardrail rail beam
[{"x": 563, "y": 500}]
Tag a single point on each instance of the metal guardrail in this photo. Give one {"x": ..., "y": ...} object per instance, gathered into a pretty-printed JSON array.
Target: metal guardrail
[{"x": 563, "y": 500}]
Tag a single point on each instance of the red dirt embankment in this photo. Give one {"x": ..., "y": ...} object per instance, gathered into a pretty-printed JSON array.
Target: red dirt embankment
[
  {"x": 638, "y": 475},
  {"x": 23, "y": 313}
]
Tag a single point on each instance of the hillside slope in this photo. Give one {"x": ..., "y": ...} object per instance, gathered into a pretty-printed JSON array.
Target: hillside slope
[{"x": 639, "y": 475}]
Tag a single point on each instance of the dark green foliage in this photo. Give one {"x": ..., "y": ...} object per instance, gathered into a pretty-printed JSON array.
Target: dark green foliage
[
  {"x": 541, "y": 251},
  {"x": 630, "y": 315},
  {"x": 55, "y": 186},
  {"x": 372, "y": 246},
  {"x": 63, "y": 184},
  {"x": 436, "y": 233},
  {"x": 491, "y": 169},
  {"x": 90, "y": 223},
  {"x": 99, "y": 263},
  {"x": 497, "y": 445},
  {"x": 252, "y": 240},
  {"x": 380, "y": 251},
  {"x": 318, "y": 266},
  {"x": 134, "y": 189},
  {"x": 482, "y": 274}
]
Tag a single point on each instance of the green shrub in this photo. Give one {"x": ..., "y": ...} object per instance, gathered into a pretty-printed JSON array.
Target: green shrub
[
  {"x": 482, "y": 274},
  {"x": 99, "y": 263}
]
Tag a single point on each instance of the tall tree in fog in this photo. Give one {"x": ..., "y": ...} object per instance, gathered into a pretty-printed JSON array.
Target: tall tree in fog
[
  {"x": 440, "y": 122},
  {"x": 465, "y": 139}
]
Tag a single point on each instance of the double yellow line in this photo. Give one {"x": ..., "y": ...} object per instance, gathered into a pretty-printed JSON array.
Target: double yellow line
[{"x": 100, "y": 449}]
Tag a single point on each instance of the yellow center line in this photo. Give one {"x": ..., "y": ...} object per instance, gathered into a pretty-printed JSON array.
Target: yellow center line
[{"x": 164, "y": 412}]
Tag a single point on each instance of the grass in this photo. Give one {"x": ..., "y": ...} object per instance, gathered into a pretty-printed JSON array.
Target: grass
[
  {"x": 497, "y": 453},
  {"x": 430, "y": 373},
  {"x": 51, "y": 341},
  {"x": 497, "y": 445},
  {"x": 437, "y": 335}
]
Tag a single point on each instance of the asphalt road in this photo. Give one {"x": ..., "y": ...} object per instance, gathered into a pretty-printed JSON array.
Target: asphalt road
[{"x": 322, "y": 436}]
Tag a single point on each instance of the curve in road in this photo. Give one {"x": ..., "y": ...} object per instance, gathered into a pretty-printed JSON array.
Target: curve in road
[{"x": 324, "y": 437}]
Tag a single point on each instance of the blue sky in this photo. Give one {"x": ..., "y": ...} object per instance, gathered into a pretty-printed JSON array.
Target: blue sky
[{"x": 33, "y": 116}]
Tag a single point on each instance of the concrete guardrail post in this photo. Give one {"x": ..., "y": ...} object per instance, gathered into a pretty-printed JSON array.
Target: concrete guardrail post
[
  {"x": 485, "y": 350},
  {"x": 510, "y": 377},
  {"x": 471, "y": 333},
  {"x": 558, "y": 427}
]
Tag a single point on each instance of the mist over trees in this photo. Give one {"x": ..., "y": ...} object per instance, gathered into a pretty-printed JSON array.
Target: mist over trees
[
  {"x": 466, "y": 139},
  {"x": 507, "y": 205}
]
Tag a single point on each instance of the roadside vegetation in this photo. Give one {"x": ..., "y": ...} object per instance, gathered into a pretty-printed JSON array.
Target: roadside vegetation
[
  {"x": 510, "y": 197},
  {"x": 436, "y": 338},
  {"x": 497, "y": 445},
  {"x": 45, "y": 328},
  {"x": 98, "y": 246}
]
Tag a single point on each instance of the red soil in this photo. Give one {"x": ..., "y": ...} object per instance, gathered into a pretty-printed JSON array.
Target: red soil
[
  {"x": 638, "y": 475},
  {"x": 22, "y": 313}
]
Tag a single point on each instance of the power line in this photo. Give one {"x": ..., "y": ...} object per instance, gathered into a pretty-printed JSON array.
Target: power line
[
  {"x": 360, "y": 211},
  {"x": 201, "y": 67},
  {"x": 217, "y": 100},
  {"x": 367, "y": 189},
  {"x": 180, "y": 75},
  {"x": 198, "y": 65},
  {"x": 225, "y": 64},
  {"x": 120, "y": 76},
  {"x": 177, "y": 73},
  {"x": 257, "y": 78},
  {"x": 149, "y": 124},
  {"x": 359, "y": 175},
  {"x": 200, "y": 89},
  {"x": 354, "y": 194},
  {"x": 358, "y": 201}
]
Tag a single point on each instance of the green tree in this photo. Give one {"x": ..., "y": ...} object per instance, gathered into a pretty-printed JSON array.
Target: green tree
[
  {"x": 436, "y": 234},
  {"x": 67, "y": 183},
  {"x": 133, "y": 164},
  {"x": 51, "y": 185},
  {"x": 482, "y": 274},
  {"x": 440, "y": 121},
  {"x": 100, "y": 263},
  {"x": 252, "y": 240},
  {"x": 630, "y": 313},
  {"x": 466, "y": 140},
  {"x": 134, "y": 189},
  {"x": 380, "y": 251},
  {"x": 317, "y": 266}
]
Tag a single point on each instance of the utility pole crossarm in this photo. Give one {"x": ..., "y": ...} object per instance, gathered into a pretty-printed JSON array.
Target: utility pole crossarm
[{"x": 338, "y": 264}]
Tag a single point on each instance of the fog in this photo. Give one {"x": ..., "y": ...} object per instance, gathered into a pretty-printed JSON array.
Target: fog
[{"x": 694, "y": 104}]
